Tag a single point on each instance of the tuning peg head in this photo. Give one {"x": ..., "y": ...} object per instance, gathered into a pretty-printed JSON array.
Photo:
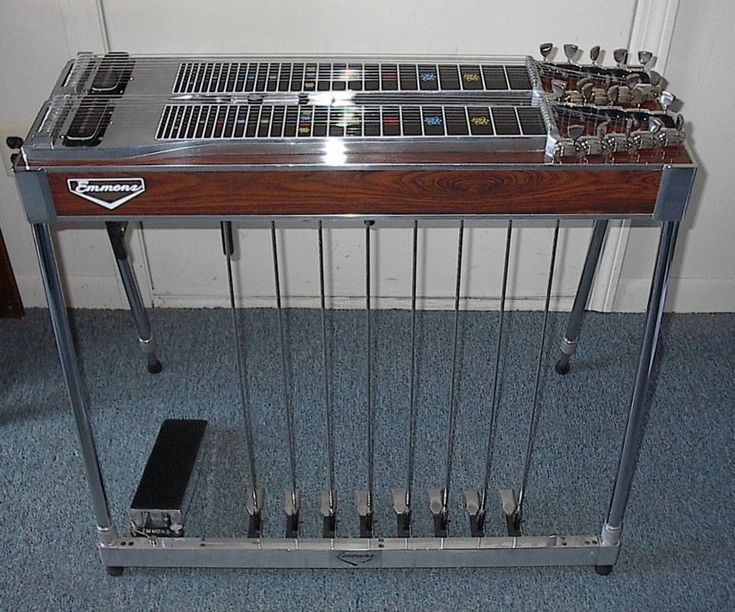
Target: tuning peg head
[
  {"x": 655, "y": 78},
  {"x": 558, "y": 88},
  {"x": 654, "y": 124},
  {"x": 575, "y": 131},
  {"x": 679, "y": 122},
  {"x": 632, "y": 79},
  {"x": 644, "y": 58},
  {"x": 587, "y": 92},
  {"x": 14, "y": 142},
  {"x": 602, "y": 129},
  {"x": 613, "y": 93},
  {"x": 571, "y": 51},
  {"x": 666, "y": 99},
  {"x": 621, "y": 57},
  {"x": 595, "y": 54},
  {"x": 546, "y": 49},
  {"x": 638, "y": 95},
  {"x": 582, "y": 82}
]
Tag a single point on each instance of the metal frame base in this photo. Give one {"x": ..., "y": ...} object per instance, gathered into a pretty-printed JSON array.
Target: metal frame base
[{"x": 359, "y": 552}]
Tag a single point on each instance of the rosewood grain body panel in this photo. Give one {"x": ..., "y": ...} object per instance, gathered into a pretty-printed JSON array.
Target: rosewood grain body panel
[{"x": 391, "y": 192}]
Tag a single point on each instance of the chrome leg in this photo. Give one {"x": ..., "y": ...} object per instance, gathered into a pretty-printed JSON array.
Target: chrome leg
[
  {"x": 612, "y": 528},
  {"x": 574, "y": 325},
  {"x": 69, "y": 366},
  {"x": 116, "y": 232}
]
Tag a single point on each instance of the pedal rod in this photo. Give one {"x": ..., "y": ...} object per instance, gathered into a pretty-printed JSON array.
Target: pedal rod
[
  {"x": 412, "y": 381},
  {"x": 330, "y": 494},
  {"x": 452, "y": 381},
  {"x": 534, "y": 408},
  {"x": 369, "y": 373},
  {"x": 496, "y": 373},
  {"x": 228, "y": 246},
  {"x": 288, "y": 407}
]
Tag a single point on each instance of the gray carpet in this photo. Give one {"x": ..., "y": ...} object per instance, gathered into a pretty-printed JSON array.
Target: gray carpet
[{"x": 678, "y": 541}]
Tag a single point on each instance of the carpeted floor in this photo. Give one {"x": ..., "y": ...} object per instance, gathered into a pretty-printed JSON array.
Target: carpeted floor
[{"x": 678, "y": 548}]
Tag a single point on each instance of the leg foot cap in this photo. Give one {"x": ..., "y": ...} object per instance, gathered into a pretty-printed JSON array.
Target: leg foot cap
[
  {"x": 604, "y": 570},
  {"x": 114, "y": 570},
  {"x": 155, "y": 367},
  {"x": 562, "y": 367}
]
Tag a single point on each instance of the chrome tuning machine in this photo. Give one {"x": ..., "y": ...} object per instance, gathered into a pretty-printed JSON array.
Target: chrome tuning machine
[
  {"x": 621, "y": 57},
  {"x": 595, "y": 55},
  {"x": 546, "y": 50},
  {"x": 666, "y": 99},
  {"x": 644, "y": 59},
  {"x": 571, "y": 51}
]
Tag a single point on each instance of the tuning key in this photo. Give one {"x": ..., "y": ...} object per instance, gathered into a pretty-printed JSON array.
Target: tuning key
[
  {"x": 595, "y": 54},
  {"x": 632, "y": 79},
  {"x": 644, "y": 58},
  {"x": 571, "y": 52},
  {"x": 588, "y": 91},
  {"x": 613, "y": 93},
  {"x": 546, "y": 49},
  {"x": 559, "y": 89},
  {"x": 575, "y": 131},
  {"x": 638, "y": 95},
  {"x": 621, "y": 57},
  {"x": 679, "y": 122},
  {"x": 582, "y": 82},
  {"x": 654, "y": 124},
  {"x": 666, "y": 99},
  {"x": 655, "y": 78},
  {"x": 602, "y": 129}
]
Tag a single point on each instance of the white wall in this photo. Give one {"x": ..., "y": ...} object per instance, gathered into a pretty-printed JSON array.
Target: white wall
[
  {"x": 183, "y": 267},
  {"x": 704, "y": 268}
]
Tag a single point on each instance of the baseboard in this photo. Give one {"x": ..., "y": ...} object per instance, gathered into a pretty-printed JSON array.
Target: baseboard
[
  {"x": 562, "y": 303},
  {"x": 80, "y": 291},
  {"x": 685, "y": 295}
]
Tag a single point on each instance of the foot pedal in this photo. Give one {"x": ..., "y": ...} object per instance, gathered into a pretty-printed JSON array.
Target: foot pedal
[
  {"x": 474, "y": 508},
  {"x": 509, "y": 503},
  {"x": 292, "y": 505},
  {"x": 439, "y": 511},
  {"x": 403, "y": 512},
  {"x": 365, "y": 510},
  {"x": 328, "y": 508},
  {"x": 165, "y": 489}
]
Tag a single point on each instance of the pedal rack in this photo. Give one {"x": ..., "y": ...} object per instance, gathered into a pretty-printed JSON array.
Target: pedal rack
[{"x": 368, "y": 142}]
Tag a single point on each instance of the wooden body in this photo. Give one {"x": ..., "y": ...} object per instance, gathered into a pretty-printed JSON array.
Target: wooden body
[{"x": 372, "y": 184}]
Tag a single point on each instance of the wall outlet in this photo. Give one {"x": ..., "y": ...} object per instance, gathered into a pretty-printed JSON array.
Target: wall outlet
[{"x": 10, "y": 129}]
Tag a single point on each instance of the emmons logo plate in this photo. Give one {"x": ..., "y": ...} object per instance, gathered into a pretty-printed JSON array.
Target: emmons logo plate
[{"x": 107, "y": 192}]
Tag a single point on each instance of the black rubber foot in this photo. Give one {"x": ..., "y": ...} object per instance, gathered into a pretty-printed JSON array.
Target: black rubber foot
[
  {"x": 114, "y": 570},
  {"x": 254, "y": 526},
  {"x": 604, "y": 570},
  {"x": 441, "y": 524},
  {"x": 329, "y": 526},
  {"x": 292, "y": 525},
  {"x": 155, "y": 367},
  {"x": 562, "y": 367},
  {"x": 366, "y": 526},
  {"x": 403, "y": 525}
]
